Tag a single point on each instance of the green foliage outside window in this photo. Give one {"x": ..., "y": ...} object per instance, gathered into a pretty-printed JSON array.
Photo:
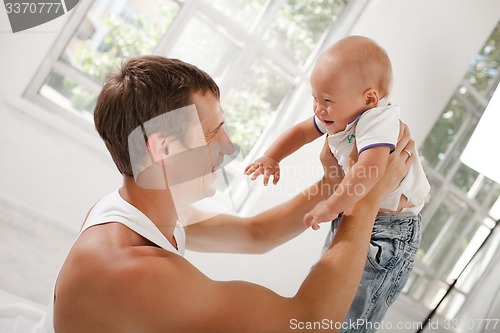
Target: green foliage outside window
[
  {"x": 444, "y": 133},
  {"x": 482, "y": 73},
  {"x": 300, "y": 25},
  {"x": 484, "y": 68},
  {"x": 123, "y": 39},
  {"x": 251, "y": 105}
]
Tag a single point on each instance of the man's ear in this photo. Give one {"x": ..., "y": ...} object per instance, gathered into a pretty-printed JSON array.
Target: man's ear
[
  {"x": 371, "y": 98},
  {"x": 158, "y": 145}
]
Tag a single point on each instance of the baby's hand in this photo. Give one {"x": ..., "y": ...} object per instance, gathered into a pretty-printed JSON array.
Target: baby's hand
[
  {"x": 320, "y": 213},
  {"x": 266, "y": 166}
]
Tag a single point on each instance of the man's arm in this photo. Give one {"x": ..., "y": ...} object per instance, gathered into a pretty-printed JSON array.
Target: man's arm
[
  {"x": 165, "y": 293},
  {"x": 174, "y": 296},
  {"x": 263, "y": 232}
]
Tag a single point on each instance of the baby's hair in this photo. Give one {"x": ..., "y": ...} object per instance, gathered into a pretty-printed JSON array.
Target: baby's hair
[{"x": 363, "y": 56}]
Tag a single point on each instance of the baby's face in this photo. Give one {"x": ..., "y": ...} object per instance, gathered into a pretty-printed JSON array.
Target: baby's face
[{"x": 336, "y": 103}]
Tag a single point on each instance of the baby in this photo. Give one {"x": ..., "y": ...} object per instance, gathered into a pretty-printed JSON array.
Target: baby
[{"x": 350, "y": 84}]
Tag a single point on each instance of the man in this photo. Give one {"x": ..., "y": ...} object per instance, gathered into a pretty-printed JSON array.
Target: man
[{"x": 162, "y": 123}]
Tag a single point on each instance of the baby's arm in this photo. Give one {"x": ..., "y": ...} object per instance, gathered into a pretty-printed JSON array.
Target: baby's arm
[
  {"x": 289, "y": 142},
  {"x": 360, "y": 179}
]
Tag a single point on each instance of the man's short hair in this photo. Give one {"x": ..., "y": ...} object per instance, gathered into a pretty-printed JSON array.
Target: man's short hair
[{"x": 144, "y": 88}]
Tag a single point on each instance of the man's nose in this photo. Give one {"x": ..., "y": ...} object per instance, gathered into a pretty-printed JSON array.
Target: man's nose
[{"x": 225, "y": 144}]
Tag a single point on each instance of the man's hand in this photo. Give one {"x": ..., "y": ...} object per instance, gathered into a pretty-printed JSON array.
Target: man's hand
[
  {"x": 320, "y": 213},
  {"x": 266, "y": 166}
]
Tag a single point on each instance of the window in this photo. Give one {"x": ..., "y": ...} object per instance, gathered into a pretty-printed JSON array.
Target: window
[
  {"x": 464, "y": 204},
  {"x": 109, "y": 32},
  {"x": 256, "y": 50}
]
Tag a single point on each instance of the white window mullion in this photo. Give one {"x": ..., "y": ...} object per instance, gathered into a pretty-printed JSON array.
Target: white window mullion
[
  {"x": 478, "y": 96},
  {"x": 76, "y": 17},
  {"x": 488, "y": 198},
  {"x": 67, "y": 70},
  {"x": 187, "y": 11},
  {"x": 493, "y": 85},
  {"x": 268, "y": 18},
  {"x": 236, "y": 32}
]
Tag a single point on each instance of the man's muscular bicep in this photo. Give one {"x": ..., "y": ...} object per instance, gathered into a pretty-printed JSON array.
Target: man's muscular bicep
[{"x": 191, "y": 302}]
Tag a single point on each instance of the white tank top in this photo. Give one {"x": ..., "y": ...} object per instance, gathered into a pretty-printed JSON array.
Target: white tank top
[{"x": 113, "y": 208}]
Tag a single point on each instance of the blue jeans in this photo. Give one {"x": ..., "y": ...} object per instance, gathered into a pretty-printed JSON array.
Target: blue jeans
[{"x": 393, "y": 246}]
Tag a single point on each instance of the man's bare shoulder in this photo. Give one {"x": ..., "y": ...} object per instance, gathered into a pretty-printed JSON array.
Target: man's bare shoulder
[
  {"x": 119, "y": 284},
  {"x": 116, "y": 276},
  {"x": 115, "y": 252}
]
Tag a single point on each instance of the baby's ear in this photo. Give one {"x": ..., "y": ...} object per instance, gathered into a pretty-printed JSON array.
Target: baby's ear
[{"x": 371, "y": 98}]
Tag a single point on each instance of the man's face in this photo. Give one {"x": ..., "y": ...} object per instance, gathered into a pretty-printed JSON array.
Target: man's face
[
  {"x": 185, "y": 166},
  {"x": 215, "y": 138}
]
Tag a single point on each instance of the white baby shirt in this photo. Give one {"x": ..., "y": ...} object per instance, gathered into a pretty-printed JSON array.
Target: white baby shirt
[{"x": 376, "y": 127}]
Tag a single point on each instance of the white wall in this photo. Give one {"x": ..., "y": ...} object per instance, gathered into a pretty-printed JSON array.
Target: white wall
[
  {"x": 23, "y": 52},
  {"x": 49, "y": 177},
  {"x": 430, "y": 44},
  {"x": 46, "y": 161}
]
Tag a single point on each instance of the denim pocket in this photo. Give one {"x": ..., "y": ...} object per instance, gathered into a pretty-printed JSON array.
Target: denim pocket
[{"x": 383, "y": 253}]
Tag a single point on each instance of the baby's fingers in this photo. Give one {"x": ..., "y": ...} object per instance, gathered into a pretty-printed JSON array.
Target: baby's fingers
[
  {"x": 308, "y": 219},
  {"x": 311, "y": 221},
  {"x": 267, "y": 174},
  {"x": 257, "y": 173},
  {"x": 276, "y": 177},
  {"x": 251, "y": 168}
]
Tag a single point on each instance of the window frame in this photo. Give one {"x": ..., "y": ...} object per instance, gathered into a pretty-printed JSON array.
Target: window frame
[
  {"x": 251, "y": 41},
  {"x": 51, "y": 61},
  {"x": 443, "y": 173}
]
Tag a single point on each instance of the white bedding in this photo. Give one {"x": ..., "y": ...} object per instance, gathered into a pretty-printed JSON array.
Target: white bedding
[{"x": 18, "y": 315}]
